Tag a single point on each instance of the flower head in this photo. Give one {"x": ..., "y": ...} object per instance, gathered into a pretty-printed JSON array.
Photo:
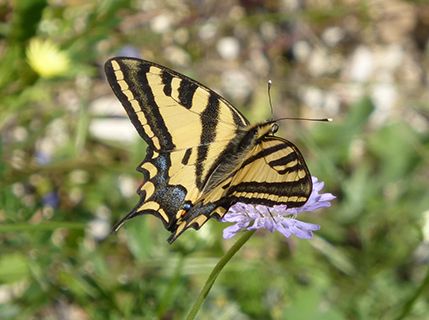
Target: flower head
[
  {"x": 280, "y": 218},
  {"x": 47, "y": 59}
]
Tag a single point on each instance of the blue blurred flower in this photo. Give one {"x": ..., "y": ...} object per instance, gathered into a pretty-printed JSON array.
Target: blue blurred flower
[
  {"x": 51, "y": 199},
  {"x": 129, "y": 51},
  {"x": 42, "y": 158},
  {"x": 280, "y": 218}
]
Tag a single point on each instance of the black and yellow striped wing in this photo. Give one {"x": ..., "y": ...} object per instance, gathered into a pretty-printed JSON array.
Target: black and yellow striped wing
[
  {"x": 201, "y": 150},
  {"x": 185, "y": 125},
  {"x": 274, "y": 173}
]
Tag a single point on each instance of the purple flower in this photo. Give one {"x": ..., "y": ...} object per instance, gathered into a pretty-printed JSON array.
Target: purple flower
[
  {"x": 42, "y": 158},
  {"x": 51, "y": 199},
  {"x": 129, "y": 51},
  {"x": 280, "y": 218}
]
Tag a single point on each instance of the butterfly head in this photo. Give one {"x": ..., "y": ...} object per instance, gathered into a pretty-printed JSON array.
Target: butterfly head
[{"x": 268, "y": 128}]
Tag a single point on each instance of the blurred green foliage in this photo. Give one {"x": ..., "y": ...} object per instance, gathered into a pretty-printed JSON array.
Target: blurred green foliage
[{"x": 59, "y": 182}]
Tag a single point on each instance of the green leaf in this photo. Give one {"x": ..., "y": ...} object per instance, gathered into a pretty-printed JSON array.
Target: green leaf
[
  {"x": 396, "y": 146},
  {"x": 13, "y": 267}
]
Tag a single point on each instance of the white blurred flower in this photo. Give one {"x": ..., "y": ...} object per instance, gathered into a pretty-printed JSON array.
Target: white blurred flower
[
  {"x": 161, "y": 23},
  {"x": 361, "y": 64},
  {"x": 228, "y": 48},
  {"x": 333, "y": 35},
  {"x": 236, "y": 83},
  {"x": 99, "y": 228}
]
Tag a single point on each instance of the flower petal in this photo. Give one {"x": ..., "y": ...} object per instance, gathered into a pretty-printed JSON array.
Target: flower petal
[
  {"x": 279, "y": 217},
  {"x": 231, "y": 231}
]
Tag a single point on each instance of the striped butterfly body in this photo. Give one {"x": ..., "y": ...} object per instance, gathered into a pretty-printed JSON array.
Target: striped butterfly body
[{"x": 203, "y": 156}]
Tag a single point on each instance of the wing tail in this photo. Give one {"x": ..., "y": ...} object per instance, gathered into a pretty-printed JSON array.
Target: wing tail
[{"x": 121, "y": 222}]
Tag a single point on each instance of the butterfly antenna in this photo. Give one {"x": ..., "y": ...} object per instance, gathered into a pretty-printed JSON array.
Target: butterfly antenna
[
  {"x": 289, "y": 118},
  {"x": 269, "y": 97},
  {"x": 306, "y": 119}
]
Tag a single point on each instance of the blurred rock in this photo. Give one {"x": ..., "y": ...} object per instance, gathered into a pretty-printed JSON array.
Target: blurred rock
[
  {"x": 394, "y": 19},
  {"x": 110, "y": 121}
]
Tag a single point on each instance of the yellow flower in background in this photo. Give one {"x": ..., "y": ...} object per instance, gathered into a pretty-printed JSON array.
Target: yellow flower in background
[{"x": 46, "y": 58}]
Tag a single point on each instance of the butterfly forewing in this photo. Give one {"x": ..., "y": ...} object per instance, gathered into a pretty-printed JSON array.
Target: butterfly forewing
[{"x": 169, "y": 110}]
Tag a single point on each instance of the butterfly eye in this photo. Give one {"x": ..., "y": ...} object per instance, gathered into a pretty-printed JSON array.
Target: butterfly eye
[
  {"x": 274, "y": 128},
  {"x": 187, "y": 206}
]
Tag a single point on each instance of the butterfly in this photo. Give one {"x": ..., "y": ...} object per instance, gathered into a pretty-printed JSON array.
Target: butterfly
[{"x": 203, "y": 155}]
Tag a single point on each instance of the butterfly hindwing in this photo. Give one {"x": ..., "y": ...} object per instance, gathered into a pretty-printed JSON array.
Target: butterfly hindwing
[
  {"x": 171, "y": 184},
  {"x": 274, "y": 173}
]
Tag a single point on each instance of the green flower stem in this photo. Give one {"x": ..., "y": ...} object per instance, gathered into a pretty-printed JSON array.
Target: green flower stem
[
  {"x": 214, "y": 274},
  {"x": 410, "y": 303},
  {"x": 44, "y": 226}
]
